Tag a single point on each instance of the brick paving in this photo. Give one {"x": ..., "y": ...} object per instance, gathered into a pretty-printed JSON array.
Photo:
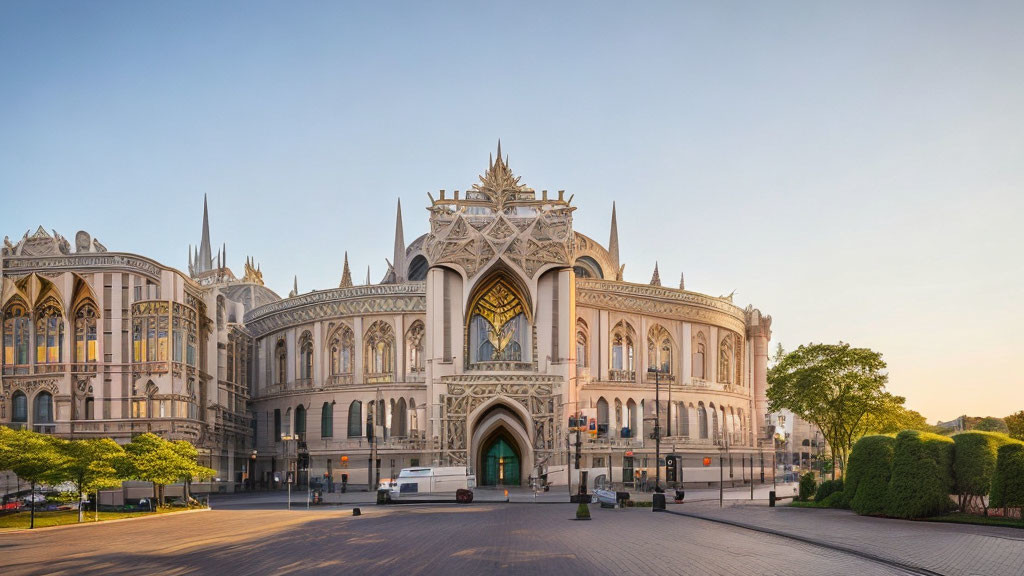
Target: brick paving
[
  {"x": 504, "y": 538},
  {"x": 953, "y": 549}
]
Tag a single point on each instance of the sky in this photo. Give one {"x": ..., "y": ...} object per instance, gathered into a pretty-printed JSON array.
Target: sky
[{"x": 853, "y": 169}]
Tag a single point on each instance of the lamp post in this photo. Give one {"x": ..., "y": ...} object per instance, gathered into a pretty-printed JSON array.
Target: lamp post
[{"x": 657, "y": 428}]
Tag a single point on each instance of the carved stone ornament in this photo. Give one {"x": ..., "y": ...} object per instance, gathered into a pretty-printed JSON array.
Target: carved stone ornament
[{"x": 500, "y": 219}]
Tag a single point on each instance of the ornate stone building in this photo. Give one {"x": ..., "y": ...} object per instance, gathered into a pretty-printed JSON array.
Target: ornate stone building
[{"x": 485, "y": 335}]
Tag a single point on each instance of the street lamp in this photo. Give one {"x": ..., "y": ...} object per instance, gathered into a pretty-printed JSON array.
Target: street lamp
[{"x": 657, "y": 427}]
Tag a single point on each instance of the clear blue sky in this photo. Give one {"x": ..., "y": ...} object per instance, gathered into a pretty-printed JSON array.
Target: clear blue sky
[{"x": 855, "y": 171}]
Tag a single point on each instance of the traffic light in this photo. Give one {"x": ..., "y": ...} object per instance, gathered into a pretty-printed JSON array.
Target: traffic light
[{"x": 671, "y": 467}]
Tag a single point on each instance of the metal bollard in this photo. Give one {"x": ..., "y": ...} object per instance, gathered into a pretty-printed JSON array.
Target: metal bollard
[{"x": 771, "y": 499}]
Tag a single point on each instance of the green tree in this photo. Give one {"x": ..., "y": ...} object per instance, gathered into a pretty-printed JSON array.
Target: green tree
[
  {"x": 90, "y": 465},
  {"x": 1015, "y": 424},
  {"x": 991, "y": 424},
  {"x": 150, "y": 458},
  {"x": 838, "y": 388},
  {"x": 188, "y": 467},
  {"x": 33, "y": 457}
]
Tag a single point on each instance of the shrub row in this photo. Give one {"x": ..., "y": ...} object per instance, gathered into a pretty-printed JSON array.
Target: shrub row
[{"x": 913, "y": 474}]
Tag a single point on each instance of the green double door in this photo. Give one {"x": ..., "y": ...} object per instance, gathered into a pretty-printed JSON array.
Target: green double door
[{"x": 501, "y": 465}]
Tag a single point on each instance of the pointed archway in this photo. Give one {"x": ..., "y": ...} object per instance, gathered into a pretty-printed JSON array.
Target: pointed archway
[{"x": 501, "y": 448}]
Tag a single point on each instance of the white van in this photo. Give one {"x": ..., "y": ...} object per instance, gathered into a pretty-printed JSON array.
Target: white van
[{"x": 432, "y": 480}]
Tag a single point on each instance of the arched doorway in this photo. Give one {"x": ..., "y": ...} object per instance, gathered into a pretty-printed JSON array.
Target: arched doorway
[
  {"x": 501, "y": 446},
  {"x": 500, "y": 462}
]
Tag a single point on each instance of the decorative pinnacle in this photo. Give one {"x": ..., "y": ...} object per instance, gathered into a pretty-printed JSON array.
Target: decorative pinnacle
[{"x": 656, "y": 278}]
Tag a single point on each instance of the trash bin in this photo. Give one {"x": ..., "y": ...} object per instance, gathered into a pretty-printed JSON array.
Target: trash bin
[
  {"x": 658, "y": 504},
  {"x": 382, "y": 496},
  {"x": 771, "y": 499}
]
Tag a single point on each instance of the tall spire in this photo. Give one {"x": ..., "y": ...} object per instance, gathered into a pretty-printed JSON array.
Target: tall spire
[
  {"x": 682, "y": 281},
  {"x": 224, "y": 255},
  {"x": 613, "y": 241},
  {"x": 295, "y": 289},
  {"x": 656, "y": 278},
  {"x": 367, "y": 275},
  {"x": 346, "y": 275},
  {"x": 205, "y": 257},
  {"x": 399, "y": 261}
]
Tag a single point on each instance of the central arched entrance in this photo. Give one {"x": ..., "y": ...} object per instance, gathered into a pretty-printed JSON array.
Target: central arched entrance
[
  {"x": 500, "y": 465},
  {"x": 501, "y": 454}
]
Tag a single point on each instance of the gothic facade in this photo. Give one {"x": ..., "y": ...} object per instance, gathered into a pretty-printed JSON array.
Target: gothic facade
[{"x": 484, "y": 338}]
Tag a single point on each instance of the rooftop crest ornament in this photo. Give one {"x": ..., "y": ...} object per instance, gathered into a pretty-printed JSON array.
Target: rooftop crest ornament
[{"x": 499, "y": 185}]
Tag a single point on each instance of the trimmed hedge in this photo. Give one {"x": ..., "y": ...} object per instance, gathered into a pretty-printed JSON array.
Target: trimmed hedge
[
  {"x": 1008, "y": 479},
  {"x": 807, "y": 486},
  {"x": 868, "y": 474},
  {"x": 828, "y": 488},
  {"x": 922, "y": 475},
  {"x": 834, "y": 500},
  {"x": 974, "y": 462}
]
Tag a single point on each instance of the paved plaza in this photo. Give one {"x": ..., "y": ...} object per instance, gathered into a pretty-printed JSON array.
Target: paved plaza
[{"x": 252, "y": 535}]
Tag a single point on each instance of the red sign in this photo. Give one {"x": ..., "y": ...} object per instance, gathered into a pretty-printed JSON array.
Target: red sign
[
  {"x": 707, "y": 461},
  {"x": 629, "y": 454}
]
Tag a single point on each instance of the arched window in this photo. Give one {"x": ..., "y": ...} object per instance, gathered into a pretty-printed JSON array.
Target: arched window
[
  {"x": 618, "y": 416},
  {"x": 19, "y": 405},
  {"x": 300, "y": 421},
  {"x": 43, "y": 411},
  {"x": 699, "y": 352},
  {"x": 379, "y": 352},
  {"x": 715, "y": 430},
  {"x": 85, "y": 334},
  {"x": 622, "y": 356},
  {"x": 725, "y": 359},
  {"x": 581, "y": 344},
  {"x": 684, "y": 420},
  {"x": 16, "y": 337},
  {"x": 414, "y": 423},
  {"x": 355, "y": 419},
  {"x": 659, "y": 349},
  {"x": 288, "y": 422},
  {"x": 306, "y": 355},
  {"x": 631, "y": 410},
  {"x": 498, "y": 324},
  {"x": 327, "y": 420},
  {"x": 281, "y": 358},
  {"x": 702, "y": 415},
  {"x": 602, "y": 417},
  {"x": 49, "y": 334},
  {"x": 414, "y": 347},
  {"x": 342, "y": 343},
  {"x": 398, "y": 419}
]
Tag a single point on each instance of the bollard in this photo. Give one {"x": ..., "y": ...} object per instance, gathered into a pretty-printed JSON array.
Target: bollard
[
  {"x": 771, "y": 499},
  {"x": 658, "y": 504},
  {"x": 356, "y": 512}
]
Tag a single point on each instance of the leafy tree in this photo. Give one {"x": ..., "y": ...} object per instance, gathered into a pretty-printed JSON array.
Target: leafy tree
[
  {"x": 32, "y": 457},
  {"x": 90, "y": 465},
  {"x": 150, "y": 458},
  {"x": 838, "y": 388},
  {"x": 990, "y": 424},
  {"x": 1015, "y": 424},
  {"x": 187, "y": 465}
]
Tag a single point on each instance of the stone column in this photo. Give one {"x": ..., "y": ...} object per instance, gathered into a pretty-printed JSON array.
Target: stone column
[{"x": 759, "y": 331}]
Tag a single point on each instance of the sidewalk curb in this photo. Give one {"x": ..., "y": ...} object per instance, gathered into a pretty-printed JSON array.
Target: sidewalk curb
[{"x": 102, "y": 522}]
